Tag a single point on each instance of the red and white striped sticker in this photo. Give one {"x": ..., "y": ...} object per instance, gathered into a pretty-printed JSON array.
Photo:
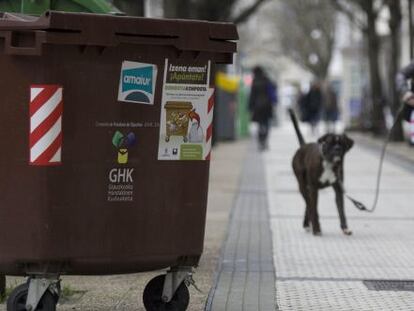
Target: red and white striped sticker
[
  {"x": 210, "y": 110},
  {"x": 46, "y": 108}
]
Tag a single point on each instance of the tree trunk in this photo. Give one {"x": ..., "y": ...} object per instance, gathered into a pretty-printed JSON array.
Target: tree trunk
[
  {"x": 213, "y": 10},
  {"x": 395, "y": 28},
  {"x": 378, "y": 121},
  {"x": 178, "y": 9}
]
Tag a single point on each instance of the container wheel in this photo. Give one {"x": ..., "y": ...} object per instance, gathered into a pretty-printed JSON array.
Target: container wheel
[
  {"x": 167, "y": 139},
  {"x": 153, "y": 292},
  {"x": 17, "y": 300},
  {"x": 185, "y": 139}
]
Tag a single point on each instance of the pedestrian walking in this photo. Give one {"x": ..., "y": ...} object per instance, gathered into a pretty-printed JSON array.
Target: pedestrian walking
[
  {"x": 300, "y": 101},
  {"x": 260, "y": 104},
  {"x": 330, "y": 107},
  {"x": 405, "y": 85},
  {"x": 312, "y": 105}
]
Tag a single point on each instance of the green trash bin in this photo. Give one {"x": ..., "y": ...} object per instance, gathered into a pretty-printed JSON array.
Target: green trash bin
[
  {"x": 38, "y": 7},
  {"x": 243, "y": 115}
]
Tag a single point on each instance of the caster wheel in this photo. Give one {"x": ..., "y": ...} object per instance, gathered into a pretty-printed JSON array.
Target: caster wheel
[
  {"x": 185, "y": 139},
  {"x": 167, "y": 139},
  {"x": 17, "y": 300},
  {"x": 153, "y": 292}
]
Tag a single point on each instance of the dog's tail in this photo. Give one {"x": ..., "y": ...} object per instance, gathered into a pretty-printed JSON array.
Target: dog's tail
[{"x": 296, "y": 126}]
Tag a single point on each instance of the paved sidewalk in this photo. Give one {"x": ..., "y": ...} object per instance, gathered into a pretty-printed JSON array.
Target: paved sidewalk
[
  {"x": 246, "y": 279},
  {"x": 397, "y": 152},
  {"x": 327, "y": 273}
]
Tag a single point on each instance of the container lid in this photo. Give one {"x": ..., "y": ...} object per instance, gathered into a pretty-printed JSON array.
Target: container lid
[
  {"x": 110, "y": 30},
  {"x": 179, "y": 105}
]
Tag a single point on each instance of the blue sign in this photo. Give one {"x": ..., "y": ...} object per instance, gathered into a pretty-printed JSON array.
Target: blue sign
[{"x": 137, "y": 83}]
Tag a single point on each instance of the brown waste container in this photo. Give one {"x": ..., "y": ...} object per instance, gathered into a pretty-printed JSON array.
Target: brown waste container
[{"x": 90, "y": 186}]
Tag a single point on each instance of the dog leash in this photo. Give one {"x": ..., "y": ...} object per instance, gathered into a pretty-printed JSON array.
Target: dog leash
[{"x": 358, "y": 204}]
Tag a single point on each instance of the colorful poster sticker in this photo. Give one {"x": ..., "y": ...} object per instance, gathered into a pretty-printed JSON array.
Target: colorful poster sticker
[{"x": 186, "y": 111}]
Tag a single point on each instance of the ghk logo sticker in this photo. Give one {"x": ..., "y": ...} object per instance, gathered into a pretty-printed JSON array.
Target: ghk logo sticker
[
  {"x": 122, "y": 143},
  {"x": 137, "y": 83}
]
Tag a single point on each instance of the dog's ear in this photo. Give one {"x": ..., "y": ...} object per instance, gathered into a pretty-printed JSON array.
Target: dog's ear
[
  {"x": 348, "y": 142},
  {"x": 324, "y": 138}
]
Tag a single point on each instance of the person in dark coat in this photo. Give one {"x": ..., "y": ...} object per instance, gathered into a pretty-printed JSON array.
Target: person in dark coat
[
  {"x": 312, "y": 105},
  {"x": 301, "y": 104},
  {"x": 260, "y": 104},
  {"x": 405, "y": 84},
  {"x": 330, "y": 107}
]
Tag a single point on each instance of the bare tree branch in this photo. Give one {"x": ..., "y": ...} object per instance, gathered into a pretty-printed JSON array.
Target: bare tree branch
[
  {"x": 310, "y": 35},
  {"x": 349, "y": 13},
  {"x": 247, "y": 12},
  {"x": 213, "y": 10}
]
